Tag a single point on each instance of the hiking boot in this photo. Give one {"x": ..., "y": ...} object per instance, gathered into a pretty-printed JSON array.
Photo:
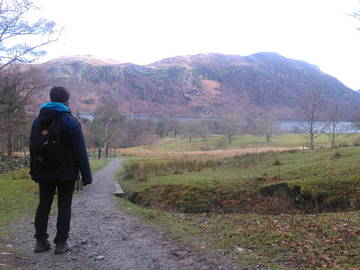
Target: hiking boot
[
  {"x": 62, "y": 247},
  {"x": 42, "y": 246}
]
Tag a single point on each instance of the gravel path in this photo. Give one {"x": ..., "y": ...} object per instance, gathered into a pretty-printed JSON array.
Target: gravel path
[{"x": 104, "y": 237}]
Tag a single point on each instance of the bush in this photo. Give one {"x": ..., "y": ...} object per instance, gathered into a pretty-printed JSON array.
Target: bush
[
  {"x": 205, "y": 148},
  {"x": 344, "y": 144},
  {"x": 141, "y": 170},
  {"x": 356, "y": 142}
]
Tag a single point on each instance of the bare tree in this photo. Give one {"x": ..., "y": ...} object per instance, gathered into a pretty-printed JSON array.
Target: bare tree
[
  {"x": 107, "y": 120},
  {"x": 189, "y": 128},
  {"x": 163, "y": 125},
  {"x": 21, "y": 41},
  {"x": 312, "y": 109},
  {"x": 15, "y": 26},
  {"x": 205, "y": 127},
  {"x": 136, "y": 132},
  {"x": 335, "y": 114},
  {"x": 263, "y": 123},
  {"x": 16, "y": 89},
  {"x": 174, "y": 126},
  {"x": 230, "y": 126}
]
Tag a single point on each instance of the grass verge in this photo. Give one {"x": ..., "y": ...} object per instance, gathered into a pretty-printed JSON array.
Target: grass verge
[
  {"x": 309, "y": 181},
  {"x": 323, "y": 241},
  {"x": 19, "y": 195},
  {"x": 219, "y": 206}
]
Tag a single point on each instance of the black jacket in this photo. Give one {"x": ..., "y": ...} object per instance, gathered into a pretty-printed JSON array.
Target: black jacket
[{"x": 76, "y": 158}]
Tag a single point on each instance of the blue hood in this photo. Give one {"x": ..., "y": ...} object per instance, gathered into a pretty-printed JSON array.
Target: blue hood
[{"x": 55, "y": 106}]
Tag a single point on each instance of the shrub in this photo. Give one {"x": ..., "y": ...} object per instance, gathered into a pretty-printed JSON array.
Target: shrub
[
  {"x": 343, "y": 144},
  {"x": 141, "y": 170},
  {"x": 205, "y": 148},
  {"x": 356, "y": 142}
]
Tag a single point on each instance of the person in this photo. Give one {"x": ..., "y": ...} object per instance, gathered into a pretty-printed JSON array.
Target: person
[{"x": 59, "y": 170}]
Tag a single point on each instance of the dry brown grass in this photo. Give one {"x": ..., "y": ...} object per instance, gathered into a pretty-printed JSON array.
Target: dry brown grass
[
  {"x": 21, "y": 154},
  {"x": 202, "y": 154}
]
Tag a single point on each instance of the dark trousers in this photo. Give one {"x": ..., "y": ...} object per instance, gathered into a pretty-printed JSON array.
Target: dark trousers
[{"x": 46, "y": 191}]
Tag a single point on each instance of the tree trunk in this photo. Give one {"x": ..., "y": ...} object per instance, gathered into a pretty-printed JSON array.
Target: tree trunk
[{"x": 311, "y": 140}]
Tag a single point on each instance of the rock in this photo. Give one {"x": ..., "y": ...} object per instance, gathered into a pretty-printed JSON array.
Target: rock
[
  {"x": 94, "y": 254},
  {"x": 240, "y": 249},
  {"x": 179, "y": 253},
  {"x": 9, "y": 246},
  {"x": 99, "y": 258}
]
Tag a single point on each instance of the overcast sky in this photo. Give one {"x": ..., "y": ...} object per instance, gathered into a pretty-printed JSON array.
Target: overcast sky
[{"x": 320, "y": 32}]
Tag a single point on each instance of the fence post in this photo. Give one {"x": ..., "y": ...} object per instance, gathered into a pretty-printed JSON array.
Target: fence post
[
  {"x": 25, "y": 159},
  {"x": 99, "y": 153}
]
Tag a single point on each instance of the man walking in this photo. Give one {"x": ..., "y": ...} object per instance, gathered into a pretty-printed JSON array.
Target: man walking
[{"x": 57, "y": 154}]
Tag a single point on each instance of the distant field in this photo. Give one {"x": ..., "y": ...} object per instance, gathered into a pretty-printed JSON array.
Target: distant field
[
  {"x": 286, "y": 207},
  {"x": 220, "y": 142},
  {"x": 19, "y": 195}
]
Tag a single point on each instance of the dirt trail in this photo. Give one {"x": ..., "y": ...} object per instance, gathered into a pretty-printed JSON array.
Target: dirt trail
[{"x": 104, "y": 237}]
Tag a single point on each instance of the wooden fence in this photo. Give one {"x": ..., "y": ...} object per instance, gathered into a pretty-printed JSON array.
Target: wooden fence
[{"x": 102, "y": 152}]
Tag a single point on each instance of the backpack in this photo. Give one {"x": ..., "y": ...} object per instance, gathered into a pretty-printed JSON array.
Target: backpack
[{"x": 47, "y": 148}]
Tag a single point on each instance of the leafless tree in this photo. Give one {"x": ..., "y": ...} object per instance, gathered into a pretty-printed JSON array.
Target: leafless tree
[
  {"x": 175, "y": 126},
  {"x": 15, "y": 26},
  {"x": 189, "y": 128},
  {"x": 107, "y": 121},
  {"x": 205, "y": 128},
  {"x": 230, "y": 126},
  {"x": 335, "y": 114},
  {"x": 21, "y": 41},
  {"x": 136, "y": 132},
  {"x": 16, "y": 89},
  {"x": 263, "y": 123},
  {"x": 312, "y": 111},
  {"x": 163, "y": 125}
]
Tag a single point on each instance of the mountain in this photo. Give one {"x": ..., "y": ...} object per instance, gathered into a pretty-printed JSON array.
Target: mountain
[{"x": 196, "y": 85}]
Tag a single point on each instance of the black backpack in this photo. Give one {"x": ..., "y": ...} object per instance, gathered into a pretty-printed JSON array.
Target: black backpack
[{"x": 47, "y": 147}]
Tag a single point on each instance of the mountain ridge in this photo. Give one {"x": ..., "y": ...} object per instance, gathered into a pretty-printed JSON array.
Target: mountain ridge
[{"x": 195, "y": 85}]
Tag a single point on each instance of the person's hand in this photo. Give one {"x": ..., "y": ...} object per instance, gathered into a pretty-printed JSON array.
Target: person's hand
[{"x": 86, "y": 182}]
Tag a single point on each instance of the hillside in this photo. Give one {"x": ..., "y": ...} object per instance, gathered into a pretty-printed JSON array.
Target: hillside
[{"x": 198, "y": 85}]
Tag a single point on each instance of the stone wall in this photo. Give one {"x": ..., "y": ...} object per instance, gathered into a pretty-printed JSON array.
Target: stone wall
[{"x": 15, "y": 164}]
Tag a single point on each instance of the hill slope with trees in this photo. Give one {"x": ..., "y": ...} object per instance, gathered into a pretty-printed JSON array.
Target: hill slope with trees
[{"x": 198, "y": 85}]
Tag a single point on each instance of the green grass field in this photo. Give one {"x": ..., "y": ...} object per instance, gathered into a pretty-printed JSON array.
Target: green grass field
[
  {"x": 215, "y": 142},
  {"x": 294, "y": 209},
  {"x": 19, "y": 195},
  {"x": 326, "y": 179}
]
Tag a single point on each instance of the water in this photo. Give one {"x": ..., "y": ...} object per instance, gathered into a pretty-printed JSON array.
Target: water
[{"x": 288, "y": 126}]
